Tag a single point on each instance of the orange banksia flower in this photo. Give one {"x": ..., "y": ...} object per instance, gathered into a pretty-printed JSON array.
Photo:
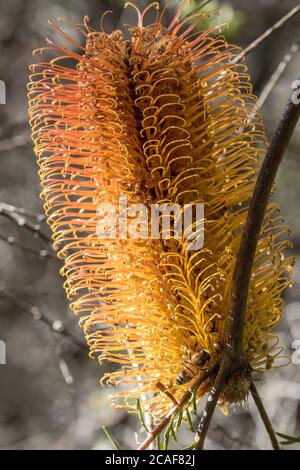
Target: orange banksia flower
[{"x": 166, "y": 117}]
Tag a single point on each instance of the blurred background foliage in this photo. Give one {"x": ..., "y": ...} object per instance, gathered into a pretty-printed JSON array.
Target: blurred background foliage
[{"x": 49, "y": 394}]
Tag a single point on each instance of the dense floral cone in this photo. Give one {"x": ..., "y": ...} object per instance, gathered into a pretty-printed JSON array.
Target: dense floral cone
[{"x": 166, "y": 117}]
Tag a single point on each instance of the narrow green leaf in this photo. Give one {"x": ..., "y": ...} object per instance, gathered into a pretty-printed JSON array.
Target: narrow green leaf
[
  {"x": 194, "y": 402},
  {"x": 189, "y": 420},
  {"x": 166, "y": 441},
  {"x": 173, "y": 434},
  {"x": 190, "y": 447},
  {"x": 141, "y": 415},
  {"x": 289, "y": 440},
  {"x": 111, "y": 438},
  {"x": 179, "y": 420},
  {"x": 167, "y": 434}
]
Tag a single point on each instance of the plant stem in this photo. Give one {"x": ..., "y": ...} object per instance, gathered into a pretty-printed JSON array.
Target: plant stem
[
  {"x": 233, "y": 357},
  {"x": 252, "y": 229},
  {"x": 268, "y": 33},
  {"x": 210, "y": 406},
  {"x": 186, "y": 397},
  {"x": 264, "y": 416},
  {"x": 270, "y": 85}
]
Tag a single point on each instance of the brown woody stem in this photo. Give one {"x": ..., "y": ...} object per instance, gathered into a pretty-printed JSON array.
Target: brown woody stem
[
  {"x": 211, "y": 404},
  {"x": 186, "y": 397},
  {"x": 264, "y": 416},
  {"x": 252, "y": 229}
]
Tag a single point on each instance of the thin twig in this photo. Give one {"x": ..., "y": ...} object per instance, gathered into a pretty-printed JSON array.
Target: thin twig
[
  {"x": 110, "y": 437},
  {"x": 42, "y": 254},
  {"x": 61, "y": 362},
  {"x": 21, "y": 221},
  {"x": 22, "y": 211},
  {"x": 36, "y": 314},
  {"x": 276, "y": 75},
  {"x": 20, "y": 216},
  {"x": 35, "y": 229},
  {"x": 186, "y": 397},
  {"x": 268, "y": 33},
  {"x": 264, "y": 416}
]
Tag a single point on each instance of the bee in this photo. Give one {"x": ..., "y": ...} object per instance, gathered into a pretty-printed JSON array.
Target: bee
[{"x": 191, "y": 367}]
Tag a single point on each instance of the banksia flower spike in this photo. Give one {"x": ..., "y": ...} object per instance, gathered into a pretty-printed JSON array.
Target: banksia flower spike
[{"x": 165, "y": 118}]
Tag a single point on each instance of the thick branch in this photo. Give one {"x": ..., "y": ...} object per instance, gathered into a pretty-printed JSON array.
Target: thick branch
[
  {"x": 211, "y": 404},
  {"x": 264, "y": 417},
  {"x": 257, "y": 209}
]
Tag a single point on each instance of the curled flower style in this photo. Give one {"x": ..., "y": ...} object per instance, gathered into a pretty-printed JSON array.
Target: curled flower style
[{"x": 166, "y": 117}]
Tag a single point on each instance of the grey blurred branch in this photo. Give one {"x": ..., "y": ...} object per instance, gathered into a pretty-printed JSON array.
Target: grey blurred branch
[
  {"x": 270, "y": 85},
  {"x": 41, "y": 254},
  {"x": 268, "y": 33},
  {"x": 20, "y": 217},
  {"x": 15, "y": 142},
  {"x": 34, "y": 312}
]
